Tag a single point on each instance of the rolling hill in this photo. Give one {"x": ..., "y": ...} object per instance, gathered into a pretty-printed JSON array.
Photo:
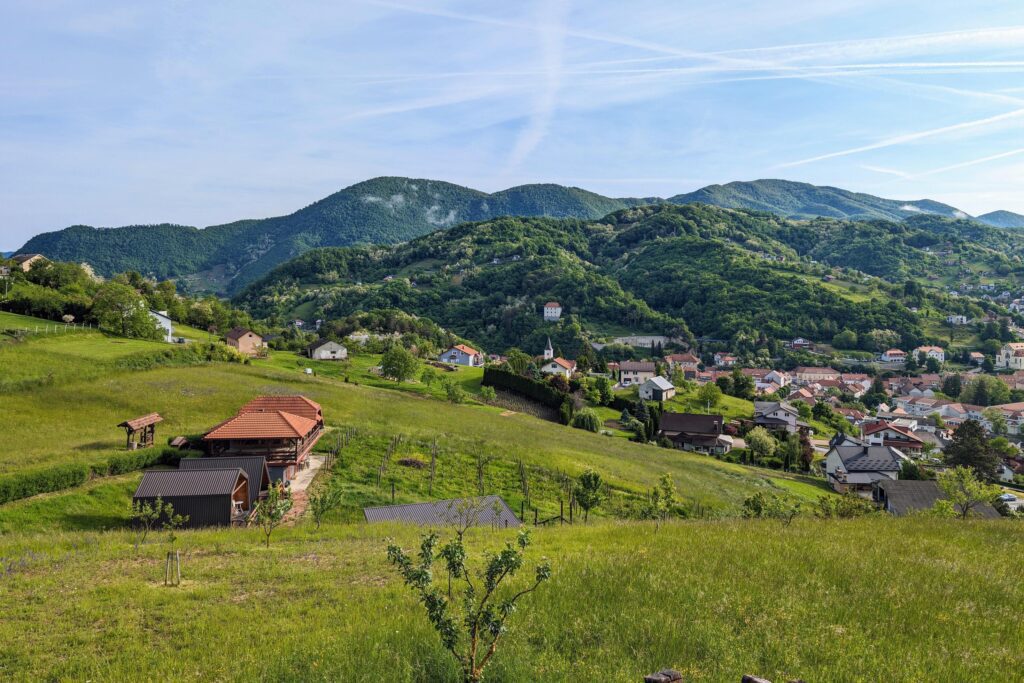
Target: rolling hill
[
  {"x": 378, "y": 211},
  {"x": 1002, "y": 219},
  {"x": 389, "y": 210},
  {"x": 802, "y": 200},
  {"x": 673, "y": 270}
]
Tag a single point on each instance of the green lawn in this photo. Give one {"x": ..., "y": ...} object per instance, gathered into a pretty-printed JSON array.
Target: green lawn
[
  {"x": 881, "y": 599},
  {"x": 100, "y": 504},
  {"x": 14, "y": 321},
  {"x": 63, "y": 358}
]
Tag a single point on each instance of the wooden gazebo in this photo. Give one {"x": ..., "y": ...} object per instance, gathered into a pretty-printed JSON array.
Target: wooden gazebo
[{"x": 141, "y": 432}]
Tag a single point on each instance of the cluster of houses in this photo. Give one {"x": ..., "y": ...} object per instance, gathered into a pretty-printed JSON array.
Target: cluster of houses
[{"x": 267, "y": 442}]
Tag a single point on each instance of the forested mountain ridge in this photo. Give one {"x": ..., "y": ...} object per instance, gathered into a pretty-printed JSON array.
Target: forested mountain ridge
[
  {"x": 1002, "y": 219},
  {"x": 378, "y": 211},
  {"x": 390, "y": 210},
  {"x": 674, "y": 270},
  {"x": 803, "y": 200}
]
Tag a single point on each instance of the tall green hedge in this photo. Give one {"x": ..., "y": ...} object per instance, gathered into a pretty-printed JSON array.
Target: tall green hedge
[
  {"x": 496, "y": 376},
  {"x": 69, "y": 475}
]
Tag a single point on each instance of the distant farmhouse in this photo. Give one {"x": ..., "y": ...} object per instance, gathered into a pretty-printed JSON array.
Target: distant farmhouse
[
  {"x": 552, "y": 311},
  {"x": 26, "y": 261},
  {"x": 166, "y": 324},
  {"x": 460, "y": 354},
  {"x": 657, "y": 389},
  {"x": 246, "y": 341},
  {"x": 559, "y": 366},
  {"x": 636, "y": 372},
  {"x": 325, "y": 349}
]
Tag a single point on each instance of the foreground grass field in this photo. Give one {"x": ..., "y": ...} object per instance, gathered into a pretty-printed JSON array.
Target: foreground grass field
[{"x": 874, "y": 599}]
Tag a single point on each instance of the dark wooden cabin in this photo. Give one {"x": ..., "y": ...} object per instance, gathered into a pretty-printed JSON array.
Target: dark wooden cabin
[{"x": 217, "y": 497}]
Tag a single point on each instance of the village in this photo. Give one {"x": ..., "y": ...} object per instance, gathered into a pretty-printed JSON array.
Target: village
[{"x": 880, "y": 436}]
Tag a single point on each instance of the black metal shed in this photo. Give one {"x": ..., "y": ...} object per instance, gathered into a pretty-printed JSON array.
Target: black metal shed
[
  {"x": 254, "y": 466},
  {"x": 208, "y": 497}
]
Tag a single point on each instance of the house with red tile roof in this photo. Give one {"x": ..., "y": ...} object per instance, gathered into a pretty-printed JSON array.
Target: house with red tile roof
[
  {"x": 559, "y": 366},
  {"x": 460, "y": 354},
  {"x": 266, "y": 427}
]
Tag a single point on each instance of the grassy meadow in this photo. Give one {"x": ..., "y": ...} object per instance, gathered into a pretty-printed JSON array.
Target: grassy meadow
[
  {"x": 862, "y": 600},
  {"x": 714, "y": 596}
]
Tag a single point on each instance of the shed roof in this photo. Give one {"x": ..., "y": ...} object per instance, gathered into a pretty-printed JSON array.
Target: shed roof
[
  {"x": 904, "y": 496},
  {"x": 239, "y": 332},
  {"x": 262, "y": 425},
  {"x": 485, "y": 510},
  {"x": 176, "y": 483},
  {"x": 254, "y": 466},
  {"x": 322, "y": 342},
  {"x": 691, "y": 423},
  {"x": 660, "y": 382},
  {"x": 140, "y": 422}
]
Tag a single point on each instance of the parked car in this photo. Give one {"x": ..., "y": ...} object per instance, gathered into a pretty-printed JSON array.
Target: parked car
[{"x": 1008, "y": 498}]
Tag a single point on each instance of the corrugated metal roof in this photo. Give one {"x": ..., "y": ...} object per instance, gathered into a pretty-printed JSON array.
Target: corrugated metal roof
[
  {"x": 174, "y": 483},
  {"x": 906, "y": 496},
  {"x": 144, "y": 421},
  {"x": 482, "y": 511},
  {"x": 295, "y": 404},
  {"x": 254, "y": 466},
  {"x": 262, "y": 425}
]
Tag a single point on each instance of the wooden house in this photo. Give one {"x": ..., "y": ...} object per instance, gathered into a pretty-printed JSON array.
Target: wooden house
[
  {"x": 246, "y": 341},
  {"x": 282, "y": 429}
]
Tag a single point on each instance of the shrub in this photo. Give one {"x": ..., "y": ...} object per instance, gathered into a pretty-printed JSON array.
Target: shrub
[
  {"x": 586, "y": 419},
  {"x": 34, "y": 482}
]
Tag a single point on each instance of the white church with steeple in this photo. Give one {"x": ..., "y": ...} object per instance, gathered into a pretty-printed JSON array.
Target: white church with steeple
[{"x": 549, "y": 352}]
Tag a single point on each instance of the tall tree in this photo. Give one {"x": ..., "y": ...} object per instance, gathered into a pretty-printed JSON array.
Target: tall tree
[{"x": 970, "y": 448}]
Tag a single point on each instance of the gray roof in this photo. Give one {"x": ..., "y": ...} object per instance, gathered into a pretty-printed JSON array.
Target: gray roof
[
  {"x": 905, "y": 496},
  {"x": 691, "y": 423},
  {"x": 762, "y": 407},
  {"x": 637, "y": 366},
  {"x": 660, "y": 383},
  {"x": 175, "y": 483},
  {"x": 451, "y": 512},
  {"x": 322, "y": 342},
  {"x": 254, "y": 466},
  {"x": 868, "y": 458}
]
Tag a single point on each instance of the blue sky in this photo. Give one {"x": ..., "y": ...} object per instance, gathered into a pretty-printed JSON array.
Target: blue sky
[{"x": 200, "y": 113}]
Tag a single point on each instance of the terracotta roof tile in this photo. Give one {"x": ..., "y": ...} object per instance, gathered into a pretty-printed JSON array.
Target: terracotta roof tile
[
  {"x": 262, "y": 425},
  {"x": 296, "y": 405}
]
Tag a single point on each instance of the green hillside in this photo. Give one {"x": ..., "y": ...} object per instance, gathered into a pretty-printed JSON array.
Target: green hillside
[
  {"x": 389, "y": 210},
  {"x": 379, "y": 211},
  {"x": 1002, "y": 219},
  {"x": 671, "y": 270},
  {"x": 803, "y": 200}
]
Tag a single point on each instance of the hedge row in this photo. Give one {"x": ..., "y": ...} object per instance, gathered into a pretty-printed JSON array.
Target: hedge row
[
  {"x": 539, "y": 391},
  {"x": 69, "y": 475}
]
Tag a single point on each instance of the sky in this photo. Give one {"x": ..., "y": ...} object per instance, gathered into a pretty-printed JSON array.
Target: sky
[{"x": 201, "y": 113}]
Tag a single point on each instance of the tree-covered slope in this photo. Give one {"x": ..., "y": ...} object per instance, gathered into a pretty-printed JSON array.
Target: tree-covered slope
[
  {"x": 379, "y": 211},
  {"x": 1002, "y": 219},
  {"x": 391, "y": 210},
  {"x": 803, "y": 200},
  {"x": 653, "y": 269}
]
